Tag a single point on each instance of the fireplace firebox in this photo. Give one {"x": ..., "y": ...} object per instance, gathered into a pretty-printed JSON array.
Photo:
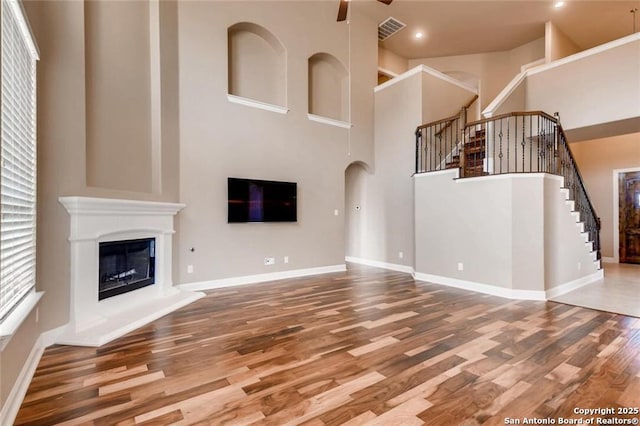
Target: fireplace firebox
[{"x": 126, "y": 266}]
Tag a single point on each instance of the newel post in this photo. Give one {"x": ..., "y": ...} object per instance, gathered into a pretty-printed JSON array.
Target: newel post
[{"x": 463, "y": 124}]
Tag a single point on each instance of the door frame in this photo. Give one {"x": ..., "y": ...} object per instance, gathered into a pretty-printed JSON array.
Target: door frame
[{"x": 616, "y": 211}]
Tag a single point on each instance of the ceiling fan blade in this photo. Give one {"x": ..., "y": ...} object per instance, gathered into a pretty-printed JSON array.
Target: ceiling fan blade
[
  {"x": 385, "y": 1},
  {"x": 342, "y": 10}
]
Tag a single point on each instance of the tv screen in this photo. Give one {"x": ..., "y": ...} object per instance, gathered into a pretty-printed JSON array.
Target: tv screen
[{"x": 252, "y": 200}]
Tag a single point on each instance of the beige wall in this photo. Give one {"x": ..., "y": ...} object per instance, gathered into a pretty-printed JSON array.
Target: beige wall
[
  {"x": 566, "y": 258},
  {"x": 445, "y": 218},
  {"x": 527, "y": 53},
  {"x": 387, "y": 212},
  {"x": 512, "y": 231},
  {"x": 557, "y": 44},
  {"x": 221, "y": 139},
  {"x": 390, "y": 61},
  {"x": 597, "y": 159},
  {"x": 385, "y": 221},
  {"x": 596, "y": 89},
  {"x": 493, "y": 70},
  {"x": 118, "y": 95}
]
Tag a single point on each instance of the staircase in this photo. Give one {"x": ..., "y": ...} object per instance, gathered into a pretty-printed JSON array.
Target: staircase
[
  {"x": 518, "y": 142},
  {"x": 474, "y": 150}
]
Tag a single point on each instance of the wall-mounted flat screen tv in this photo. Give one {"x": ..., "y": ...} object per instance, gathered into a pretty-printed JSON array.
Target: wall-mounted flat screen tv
[{"x": 252, "y": 200}]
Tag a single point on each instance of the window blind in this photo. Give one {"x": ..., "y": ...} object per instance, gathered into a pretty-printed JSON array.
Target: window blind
[{"x": 17, "y": 159}]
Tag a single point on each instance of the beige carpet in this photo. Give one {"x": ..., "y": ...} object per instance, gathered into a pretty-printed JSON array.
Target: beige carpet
[{"x": 618, "y": 292}]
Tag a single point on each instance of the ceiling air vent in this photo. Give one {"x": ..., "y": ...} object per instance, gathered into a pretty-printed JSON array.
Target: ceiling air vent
[{"x": 389, "y": 27}]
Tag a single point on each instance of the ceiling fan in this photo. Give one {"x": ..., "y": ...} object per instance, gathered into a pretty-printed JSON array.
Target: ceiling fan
[{"x": 344, "y": 5}]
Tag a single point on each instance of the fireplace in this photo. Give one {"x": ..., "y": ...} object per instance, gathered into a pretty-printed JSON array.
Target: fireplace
[
  {"x": 117, "y": 246},
  {"x": 125, "y": 266}
]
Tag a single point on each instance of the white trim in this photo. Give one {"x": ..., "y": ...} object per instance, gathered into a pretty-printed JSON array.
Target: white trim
[
  {"x": 25, "y": 29},
  {"x": 511, "y": 176},
  {"x": 116, "y": 207},
  {"x": 504, "y": 94},
  {"x": 616, "y": 210},
  {"x": 509, "y": 293},
  {"x": 378, "y": 264},
  {"x": 387, "y": 72},
  {"x": 533, "y": 64},
  {"x": 10, "y": 325},
  {"x": 455, "y": 171},
  {"x": 256, "y": 104},
  {"x": 586, "y": 53},
  {"x": 608, "y": 260},
  {"x": 574, "y": 285},
  {"x": 329, "y": 121},
  {"x": 398, "y": 78},
  {"x": 427, "y": 70},
  {"x": 19, "y": 389},
  {"x": 50, "y": 337},
  {"x": 260, "y": 278}
]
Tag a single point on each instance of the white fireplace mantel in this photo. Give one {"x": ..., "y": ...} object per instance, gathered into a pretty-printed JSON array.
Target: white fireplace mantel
[{"x": 95, "y": 220}]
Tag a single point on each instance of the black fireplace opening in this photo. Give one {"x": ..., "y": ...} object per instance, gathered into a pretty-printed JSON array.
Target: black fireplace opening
[{"x": 126, "y": 266}]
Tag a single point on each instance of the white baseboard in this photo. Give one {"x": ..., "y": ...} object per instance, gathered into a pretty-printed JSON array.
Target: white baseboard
[
  {"x": 259, "y": 278},
  {"x": 608, "y": 260},
  {"x": 19, "y": 390},
  {"x": 508, "y": 293},
  {"x": 574, "y": 285},
  {"x": 50, "y": 337},
  {"x": 379, "y": 264}
]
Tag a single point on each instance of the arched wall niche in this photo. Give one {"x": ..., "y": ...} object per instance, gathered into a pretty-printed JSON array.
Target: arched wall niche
[
  {"x": 257, "y": 63},
  {"x": 328, "y": 87}
]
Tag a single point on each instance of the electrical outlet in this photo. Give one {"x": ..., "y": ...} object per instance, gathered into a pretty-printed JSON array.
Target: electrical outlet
[
  {"x": 286, "y": 259},
  {"x": 269, "y": 261},
  {"x": 460, "y": 266},
  {"x": 400, "y": 255},
  {"x": 189, "y": 269},
  {"x": 336, "y": 212}
]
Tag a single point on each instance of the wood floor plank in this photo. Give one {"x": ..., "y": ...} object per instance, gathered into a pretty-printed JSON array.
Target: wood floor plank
[{"x": 365, "y": 346}]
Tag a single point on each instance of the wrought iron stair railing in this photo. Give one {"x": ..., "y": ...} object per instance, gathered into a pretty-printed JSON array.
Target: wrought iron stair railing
[
  {"x": 444, "y": 137},
  {"x": 517, "y": 142}
]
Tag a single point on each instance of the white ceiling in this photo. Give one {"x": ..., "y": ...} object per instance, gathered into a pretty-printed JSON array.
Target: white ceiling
[{"x": 463, "y": 27}]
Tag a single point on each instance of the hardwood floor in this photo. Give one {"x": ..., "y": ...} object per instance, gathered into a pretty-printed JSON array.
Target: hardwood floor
[{"x": 363, "y": 347}]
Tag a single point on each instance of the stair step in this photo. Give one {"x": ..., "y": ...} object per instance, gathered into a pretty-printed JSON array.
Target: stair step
[
  {"x": 475, "y": 141},
  {"x": 452, "y": 165},
  {"x": 475, "y": 171},
  {"x": 474, "y": 162},
  {"x": 472, "y": 149}
]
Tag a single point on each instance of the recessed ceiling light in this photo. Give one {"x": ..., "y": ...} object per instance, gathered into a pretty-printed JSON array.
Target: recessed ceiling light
[
  {"x": 558, "y": 4},
  {"x": 418, "y": 35}
]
